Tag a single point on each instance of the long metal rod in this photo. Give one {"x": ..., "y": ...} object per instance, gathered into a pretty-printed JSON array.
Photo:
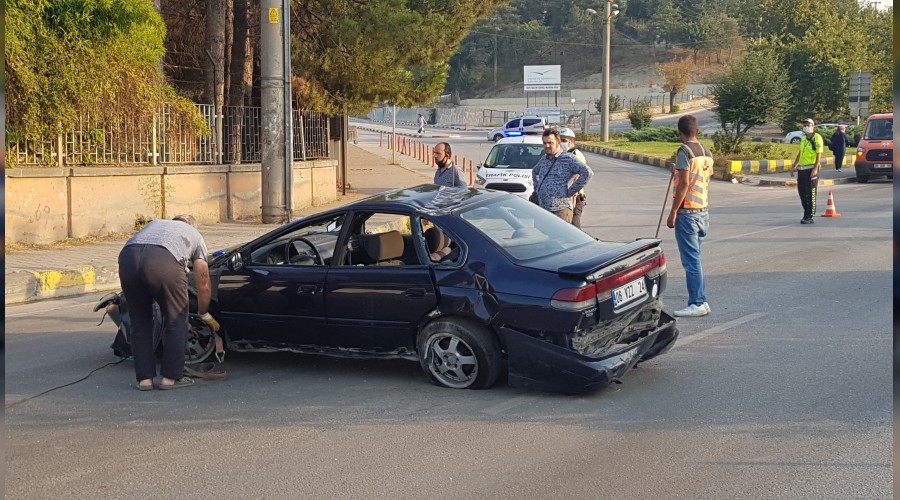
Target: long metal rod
[{"x": 665, "y": 202}]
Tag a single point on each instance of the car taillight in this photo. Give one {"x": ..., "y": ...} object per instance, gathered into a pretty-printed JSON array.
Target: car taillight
[
  {"x": 575, "y": 298},
  {"x": 607, "y": 285},
  {"x": 589, "y": 295}
]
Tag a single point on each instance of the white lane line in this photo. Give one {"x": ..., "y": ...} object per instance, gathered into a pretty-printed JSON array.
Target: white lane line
[
  {"x": 512, "y": 403},
  {"x": 683, "y": 341}
]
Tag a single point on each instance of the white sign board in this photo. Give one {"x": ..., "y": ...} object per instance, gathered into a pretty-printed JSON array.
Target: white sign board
[{"x": 542, "y": 77}]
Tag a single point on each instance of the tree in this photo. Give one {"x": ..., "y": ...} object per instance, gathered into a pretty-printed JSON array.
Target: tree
[
  {"x": 65, "y": 60},
  {"x": 677, "y": 75},
  {"x": 756, "y": 92},
  {"x": 357, "y": 54}
]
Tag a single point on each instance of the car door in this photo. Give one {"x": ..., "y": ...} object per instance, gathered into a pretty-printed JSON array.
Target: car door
[
  {"x": 532, "y": 126},
  {"x": 377, "y": 306},
  {"x": 275, "y": 297},
  {"x": 514, "y": 126}
]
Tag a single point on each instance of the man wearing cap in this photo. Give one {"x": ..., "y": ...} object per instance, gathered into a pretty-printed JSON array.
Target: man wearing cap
[
  {"x": 807, "y": 163},
  {"x": 567, "y": 143},
  {"x": 839, "y": 143}
]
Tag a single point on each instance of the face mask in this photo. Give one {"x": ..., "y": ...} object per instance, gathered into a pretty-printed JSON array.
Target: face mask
[
  {"x": 564, "y": 146},
  {"x": 807, "y": 129}
]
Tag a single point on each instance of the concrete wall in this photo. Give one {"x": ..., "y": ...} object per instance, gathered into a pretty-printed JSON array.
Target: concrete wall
[{"x": 44, "y": 205}]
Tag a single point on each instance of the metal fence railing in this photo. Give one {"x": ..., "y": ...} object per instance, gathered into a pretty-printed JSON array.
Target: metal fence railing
[{"x": 165, "y": 138}]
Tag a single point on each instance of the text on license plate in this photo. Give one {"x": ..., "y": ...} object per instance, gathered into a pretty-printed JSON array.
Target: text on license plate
[
  {"x": 629, "y": 292},
  {"x": 883, "y": 165}
]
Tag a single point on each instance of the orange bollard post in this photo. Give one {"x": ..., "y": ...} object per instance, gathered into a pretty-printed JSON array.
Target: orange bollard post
[
  {"x": 471, "y": 177},
  {"x": 455, "y": 160},
  {"x": 380, "y": 139},
  {"x": 464, "y": 165}
]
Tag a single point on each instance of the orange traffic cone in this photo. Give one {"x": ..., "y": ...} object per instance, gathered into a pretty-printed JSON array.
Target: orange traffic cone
[{"x": 830, "y": 211}]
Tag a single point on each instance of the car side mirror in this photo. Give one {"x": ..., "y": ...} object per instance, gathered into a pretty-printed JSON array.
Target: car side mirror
[{"x": 236, "y": 261}]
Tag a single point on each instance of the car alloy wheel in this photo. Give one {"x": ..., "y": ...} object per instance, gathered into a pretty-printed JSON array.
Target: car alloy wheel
[
  {"x": 201, "y": 342},
  {"x": 795, "y": 140},
  {"x": 459, "y": 355},
  {"x": 497, "y": 137}
]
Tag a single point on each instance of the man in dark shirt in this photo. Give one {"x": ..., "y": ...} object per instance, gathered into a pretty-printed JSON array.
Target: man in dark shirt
[
  {"x": 447, "y": 173},
  {"x": 552, "y": 177}
]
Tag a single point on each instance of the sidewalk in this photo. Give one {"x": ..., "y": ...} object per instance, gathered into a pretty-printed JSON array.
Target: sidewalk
[{"x": 57, "y": 270}]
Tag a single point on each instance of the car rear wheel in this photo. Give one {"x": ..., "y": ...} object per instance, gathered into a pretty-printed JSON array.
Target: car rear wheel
[
  {"x": 459, "y": 354},
  {"x": 795, "y": 140},
  {"x": 862, "y": 179},
  {"x": 497, "y": 137}
]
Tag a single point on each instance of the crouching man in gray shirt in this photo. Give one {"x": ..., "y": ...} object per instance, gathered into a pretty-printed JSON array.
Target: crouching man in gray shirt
[
  {"x": 153, "y": 266},
  {"x": 552, "y": 177}
]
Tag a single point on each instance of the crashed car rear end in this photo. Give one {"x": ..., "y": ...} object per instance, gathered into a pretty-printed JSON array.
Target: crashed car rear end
[{"x": 605, "y": 312}]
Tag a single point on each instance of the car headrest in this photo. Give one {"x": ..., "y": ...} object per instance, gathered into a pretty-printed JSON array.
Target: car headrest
[
  {"x": 385, "y": 246},
  {"x": 438, "y": 243}
]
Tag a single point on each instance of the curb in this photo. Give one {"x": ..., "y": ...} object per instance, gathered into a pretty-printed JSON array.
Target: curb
[
  {"x": 793, "y": 182},
  {"x": 29, "y": 286}
]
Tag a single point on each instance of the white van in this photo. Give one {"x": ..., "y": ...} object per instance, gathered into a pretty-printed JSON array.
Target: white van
[
  {"x": 508, "y": 165},
  {"x": 523, "y": 125}
]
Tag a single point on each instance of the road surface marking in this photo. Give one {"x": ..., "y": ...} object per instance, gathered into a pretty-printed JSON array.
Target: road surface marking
[{"x": 683, "y": 341}]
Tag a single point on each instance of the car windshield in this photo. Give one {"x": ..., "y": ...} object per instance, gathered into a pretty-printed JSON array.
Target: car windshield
[
  {"x": 880, "y": 130},
  {"x": 524, "y": 230},
  {"x": 522, "y": 156}
]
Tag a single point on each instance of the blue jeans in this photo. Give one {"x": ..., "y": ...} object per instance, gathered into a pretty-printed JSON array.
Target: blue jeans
[{"x": 690, "y": 229}]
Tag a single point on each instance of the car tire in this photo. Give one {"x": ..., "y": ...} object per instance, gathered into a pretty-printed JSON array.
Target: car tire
[
  {"x": 497, "y": 137},
  {"x": 862, "y": 179},
  {"x": 459, "y": 354},
  {"x": 795, "y": 140},
  {"x": 201, "y": 342}
]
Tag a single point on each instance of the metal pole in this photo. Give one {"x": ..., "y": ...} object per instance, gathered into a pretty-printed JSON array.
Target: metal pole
[
  {"x": 394, "y": 135},
  {"x": 272, "y": 142},
  {"x": 607, "y": 30},
  {"x": 288, "y": 113}
]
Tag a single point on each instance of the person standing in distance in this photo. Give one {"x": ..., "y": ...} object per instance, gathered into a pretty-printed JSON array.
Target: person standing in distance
[
  {"x": 689, "y": 215},
  {"x": 567, "y": 142},
  {"x": 807, "y": 162},
  {"x": 839, "y": 143},
  {"x": 421, "y": 121},
  {"x": 153, "y": 266},
  {"x": 552, "y": 175},
  {"x": 447, "y": 174}
]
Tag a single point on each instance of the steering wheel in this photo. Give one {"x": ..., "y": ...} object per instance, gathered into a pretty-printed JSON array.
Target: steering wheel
[{"x": 317, "y": 258}]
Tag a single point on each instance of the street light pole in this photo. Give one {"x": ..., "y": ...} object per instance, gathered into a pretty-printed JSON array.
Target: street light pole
[
  {"x": 610, "y": 10},
  {"x": 607, "y": 32}
]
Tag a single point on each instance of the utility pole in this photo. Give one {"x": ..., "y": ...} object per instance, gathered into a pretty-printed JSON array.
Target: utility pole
[
  {"x": 610, "y": 10},
  {"x": 288, "y": 111},
  {"x": 272, "y": 141}
]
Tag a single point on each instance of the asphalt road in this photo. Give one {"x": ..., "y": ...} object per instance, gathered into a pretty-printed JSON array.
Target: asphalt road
[{"x": 784, "y": 391}]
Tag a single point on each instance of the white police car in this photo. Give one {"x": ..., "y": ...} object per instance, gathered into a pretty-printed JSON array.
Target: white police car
[
  {"x": 508, "y": 165},
  {"x": 523, "y": 125}
]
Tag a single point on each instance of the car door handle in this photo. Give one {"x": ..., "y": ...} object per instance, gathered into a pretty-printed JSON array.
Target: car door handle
[
  {"x": 415, "y": 292},
  {"x": 307, "y": 290}
]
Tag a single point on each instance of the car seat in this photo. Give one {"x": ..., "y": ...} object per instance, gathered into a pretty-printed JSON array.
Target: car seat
[
  {"x": 440, "y": 247},
  {"x": 385, "y": 249}
]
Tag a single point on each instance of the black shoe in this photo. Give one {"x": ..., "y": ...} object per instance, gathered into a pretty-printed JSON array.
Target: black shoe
[{"x": 806, "y": 221}]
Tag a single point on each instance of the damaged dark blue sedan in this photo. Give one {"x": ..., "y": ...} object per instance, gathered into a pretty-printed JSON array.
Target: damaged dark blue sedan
[{"x": 469, "y": 282}]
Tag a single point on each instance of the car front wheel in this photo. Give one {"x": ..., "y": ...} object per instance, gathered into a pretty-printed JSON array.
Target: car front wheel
[
  {"x": 795, "y": 140},
  {"x": 862, "y": 179},
  {"x": 497, "y": 137},
  {"x": 459, "y": 354}
]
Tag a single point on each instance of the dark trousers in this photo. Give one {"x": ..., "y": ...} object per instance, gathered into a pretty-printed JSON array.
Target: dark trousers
[
  {"x": 806, "y": 187},
  {"x": 150, "y": 273},
  {"x": 579, "y": 209},
  {"x": 838, "y": 161}
]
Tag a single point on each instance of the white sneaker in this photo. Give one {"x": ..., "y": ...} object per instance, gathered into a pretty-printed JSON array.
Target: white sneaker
[
  {"x": 692, "y": 310},
  {"x": 705, "y": 305}
]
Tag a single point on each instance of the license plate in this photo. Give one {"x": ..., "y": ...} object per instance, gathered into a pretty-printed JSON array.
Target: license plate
[
  {"x": 883, "y": 165},
  {"x": 629, "y": 292}
]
